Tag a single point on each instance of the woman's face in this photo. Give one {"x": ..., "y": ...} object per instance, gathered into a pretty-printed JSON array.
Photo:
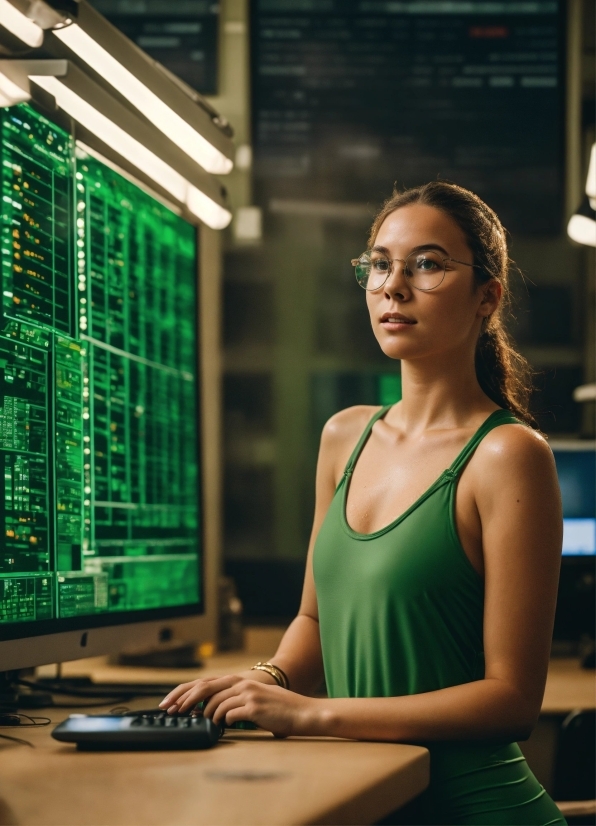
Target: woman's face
[{"x": 409, "y": 323}]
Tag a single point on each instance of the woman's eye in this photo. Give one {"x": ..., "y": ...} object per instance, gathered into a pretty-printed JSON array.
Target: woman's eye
[
  {"x": 380, "y": 265},
  {"x": 426, "y": 265}
]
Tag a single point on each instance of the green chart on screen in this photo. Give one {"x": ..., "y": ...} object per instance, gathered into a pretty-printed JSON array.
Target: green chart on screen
[{"x": 99, "y": 502}]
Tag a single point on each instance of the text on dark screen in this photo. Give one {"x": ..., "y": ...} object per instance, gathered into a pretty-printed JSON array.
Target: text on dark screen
[
  {"x": 180, "y": 34},
  {"x": 352, "y": 96}
]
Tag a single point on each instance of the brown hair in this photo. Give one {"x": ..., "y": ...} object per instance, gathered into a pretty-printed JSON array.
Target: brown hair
[{"x": 503, "y": 373}]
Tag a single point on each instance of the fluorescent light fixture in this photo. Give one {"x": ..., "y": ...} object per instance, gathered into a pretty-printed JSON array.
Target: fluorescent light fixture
[
  {"x": 113, "y": 135},
  {"x": 585, "y": 393},
  {"x": 10, "y": 93},
  {"x": 212, "y": 214},
  {"x": 582, "y": 230},
  {"x": 110, "y": 133},
  {"x": 123, "y": 66},
  {"x": 582, "y": 225},
  {"x": 20, "y": 25},
  {"x": 113, "y": 129},
  {"x": 591, "y": 179}
]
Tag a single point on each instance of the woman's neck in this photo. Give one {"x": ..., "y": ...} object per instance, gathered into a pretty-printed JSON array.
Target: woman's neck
[{"x": 441, "y": 393}]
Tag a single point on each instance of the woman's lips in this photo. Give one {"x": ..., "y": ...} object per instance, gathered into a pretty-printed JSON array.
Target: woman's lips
[{"x": 396, "y": 321}]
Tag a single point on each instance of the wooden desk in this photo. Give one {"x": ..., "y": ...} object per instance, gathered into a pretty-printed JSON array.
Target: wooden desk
[
  {"x": 248, "y": 778},
  {"x": 568, "y": 686}
]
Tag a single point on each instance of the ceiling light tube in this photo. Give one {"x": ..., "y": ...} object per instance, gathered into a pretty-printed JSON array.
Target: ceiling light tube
[
  {"x": 125, "y": 134},
  {"x": 591, "y": 179},
  {"x": 20, "y": 25},
  {"x": 582, "y": 230},
  {"x": 582, "y": 225},
  {"x": 159, "y": 99},
  {"x": 212, "y": 214},
  {"x": 111, "y": 134}
]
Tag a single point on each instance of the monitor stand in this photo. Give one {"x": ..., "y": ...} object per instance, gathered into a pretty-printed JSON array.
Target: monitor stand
[
  {"x": 181, "y": 655},
  {"x": 12, "y": 698}
]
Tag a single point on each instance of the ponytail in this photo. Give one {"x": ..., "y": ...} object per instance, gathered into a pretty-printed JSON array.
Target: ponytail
[{"x": 502, "y": 372}]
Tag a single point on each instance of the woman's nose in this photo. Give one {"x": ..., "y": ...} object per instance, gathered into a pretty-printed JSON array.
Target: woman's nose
[{"x": 397, "y": 285}]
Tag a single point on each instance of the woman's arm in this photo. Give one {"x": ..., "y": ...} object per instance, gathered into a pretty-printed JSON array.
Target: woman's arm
[
  {"x": 517, "y": 497},
  {"x": 299, "y": 653}
]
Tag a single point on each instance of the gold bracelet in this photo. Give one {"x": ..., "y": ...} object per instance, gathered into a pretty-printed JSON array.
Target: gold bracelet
[
  {"x": 285, "y": 683},
  {"x": 280, "y": 677}
]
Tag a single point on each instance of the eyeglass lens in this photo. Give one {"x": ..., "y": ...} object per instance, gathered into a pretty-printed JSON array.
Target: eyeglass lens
[{"x": 424, "y": 270}]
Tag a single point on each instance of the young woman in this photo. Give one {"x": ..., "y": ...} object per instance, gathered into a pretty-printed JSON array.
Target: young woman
[{"x": 432, "y": 572}]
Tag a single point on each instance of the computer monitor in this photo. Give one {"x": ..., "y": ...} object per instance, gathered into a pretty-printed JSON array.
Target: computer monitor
[
  {"x": 100, "y": 516},
  {"x": 576, "y": 469}
]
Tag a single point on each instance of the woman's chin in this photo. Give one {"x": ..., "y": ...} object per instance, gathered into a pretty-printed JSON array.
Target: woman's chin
[{"x": 397, "y": 349}]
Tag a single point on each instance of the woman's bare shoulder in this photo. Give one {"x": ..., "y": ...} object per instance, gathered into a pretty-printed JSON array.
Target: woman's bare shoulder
[
  {"x": 514, "y": 449},
  {"x": 348, "y": 424},
  {"x": 511, "y": 440},
  {"x": 340, "y": 435}
]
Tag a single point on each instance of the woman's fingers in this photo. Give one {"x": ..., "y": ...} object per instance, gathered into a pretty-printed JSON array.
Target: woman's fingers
[
  {"x": 183, "y": 688},
  {"x": 196, "y": 695},
  {"x": 174, "y": 695},
  {"x": 187, "y": 700},
  {"x": 270, "y": 707},
  {"x": 214, "y": 702},
  {"x": 187, "y": 695},
  {"x": 192, "y": 698},
  {"x": 172, "y": 701},
  {"x": 231, "y": 711}
]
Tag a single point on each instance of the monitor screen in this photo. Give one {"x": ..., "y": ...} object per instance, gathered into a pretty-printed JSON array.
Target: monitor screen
[
  {"x": 576, "y": 470},
  {"x": 99, "y": 484},
  {"x": 350, "y": 96}
]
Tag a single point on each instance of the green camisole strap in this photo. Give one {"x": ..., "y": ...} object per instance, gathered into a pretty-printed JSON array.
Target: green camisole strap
[
  {"x": 495, "y": 419},
  {"x": 363, "y": 439},
  {"x": 498, "y": 417}
]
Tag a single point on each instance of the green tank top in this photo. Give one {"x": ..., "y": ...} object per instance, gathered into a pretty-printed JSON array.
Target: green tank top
[{"x": 401, "y": 612}]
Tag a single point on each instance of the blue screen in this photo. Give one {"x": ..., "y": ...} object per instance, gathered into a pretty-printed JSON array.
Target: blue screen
[{"x": 576, "y": 470}]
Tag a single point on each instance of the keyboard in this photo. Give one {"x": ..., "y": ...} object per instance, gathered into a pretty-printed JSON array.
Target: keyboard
[{"x": 151, "y": 729}]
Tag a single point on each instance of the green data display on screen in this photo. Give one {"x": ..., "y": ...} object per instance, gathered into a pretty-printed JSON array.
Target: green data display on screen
[{"x": 98, "y": 422}]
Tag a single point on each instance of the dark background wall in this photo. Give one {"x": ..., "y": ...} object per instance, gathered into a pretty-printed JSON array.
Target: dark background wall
[
  {"x": 346, "y": 99},
  {"x": 333, "y": 102}
]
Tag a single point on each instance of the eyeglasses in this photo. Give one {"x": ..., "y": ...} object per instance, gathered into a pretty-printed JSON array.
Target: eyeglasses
[{"x": 424, "y": 269}]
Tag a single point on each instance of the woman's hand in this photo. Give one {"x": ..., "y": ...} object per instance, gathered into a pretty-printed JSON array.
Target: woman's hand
[
  {"x": 275, "y": 709},
  {"x": 240, "y": 697},
  {"x": 187, "y": 695}
]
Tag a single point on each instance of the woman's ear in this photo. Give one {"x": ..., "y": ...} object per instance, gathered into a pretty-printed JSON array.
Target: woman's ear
[{"x": 491, "y": 297}]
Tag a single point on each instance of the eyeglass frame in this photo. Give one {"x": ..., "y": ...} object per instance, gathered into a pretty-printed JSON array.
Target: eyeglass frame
[{"x": 355, "y": 261}]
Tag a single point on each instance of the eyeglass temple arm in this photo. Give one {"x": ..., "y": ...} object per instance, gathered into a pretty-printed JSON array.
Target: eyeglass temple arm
[
  {"x": 457, "y": 261},
  {"x": 355, "y": 261}
]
